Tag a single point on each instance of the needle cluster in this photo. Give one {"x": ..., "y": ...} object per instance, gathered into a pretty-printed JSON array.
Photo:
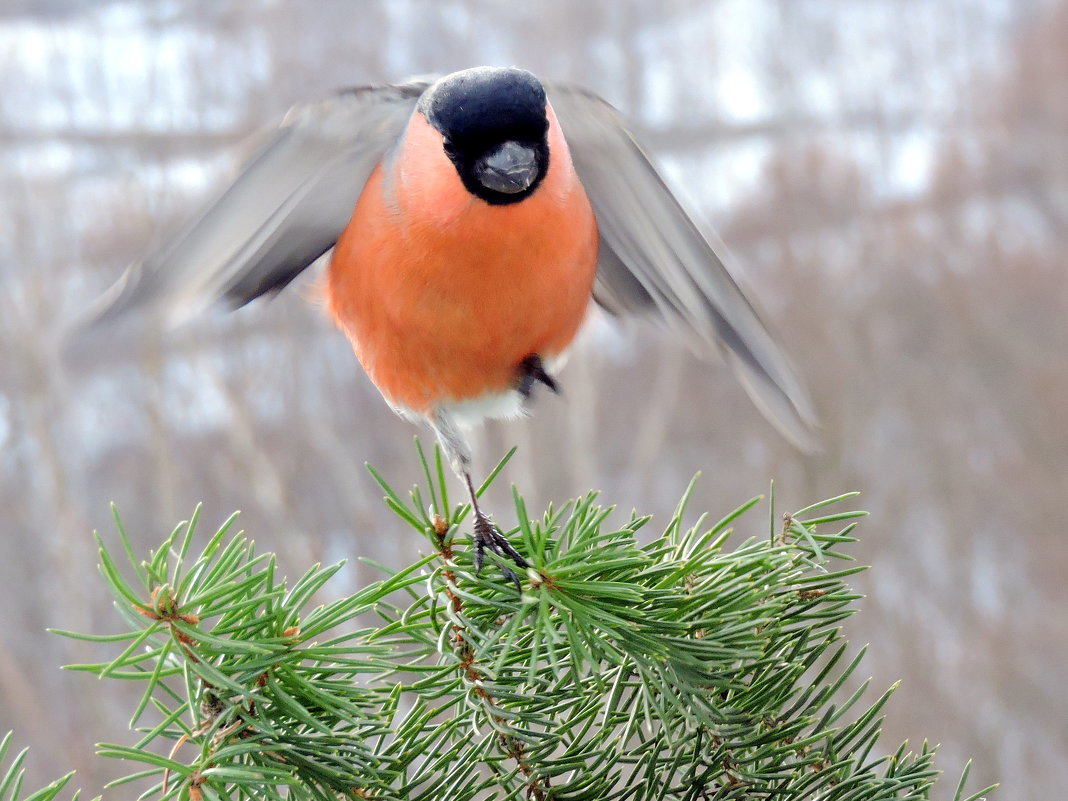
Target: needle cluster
[{"x": 679, "y": 665}]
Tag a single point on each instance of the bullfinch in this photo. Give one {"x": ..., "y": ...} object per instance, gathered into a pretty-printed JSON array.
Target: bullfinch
[{"x": 472, "y": 218}]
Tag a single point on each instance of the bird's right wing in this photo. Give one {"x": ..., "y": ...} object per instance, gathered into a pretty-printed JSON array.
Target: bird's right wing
[
  {"x": 287, "y": 206},
  {"x": 655, "y": 262}
]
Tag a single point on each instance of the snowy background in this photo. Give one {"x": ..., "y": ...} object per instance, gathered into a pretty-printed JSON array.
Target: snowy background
[{"x": 891, "y": 176}]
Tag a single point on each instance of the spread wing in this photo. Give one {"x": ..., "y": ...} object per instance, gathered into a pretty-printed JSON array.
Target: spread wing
[
  {"x": 655, "y": 262},
  {"x": 287, "y": 206}
]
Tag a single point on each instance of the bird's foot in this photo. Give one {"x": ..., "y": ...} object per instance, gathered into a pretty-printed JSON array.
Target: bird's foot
[
  {"x": 532, "y": 371},
  {"x": 489, "y": 537}
]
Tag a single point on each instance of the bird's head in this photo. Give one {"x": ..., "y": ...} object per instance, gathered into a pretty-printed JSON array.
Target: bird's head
[{"x": 494, "y": 128}]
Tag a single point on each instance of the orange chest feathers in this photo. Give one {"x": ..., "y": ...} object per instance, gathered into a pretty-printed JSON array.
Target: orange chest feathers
[{"x": 442, "y": 294}]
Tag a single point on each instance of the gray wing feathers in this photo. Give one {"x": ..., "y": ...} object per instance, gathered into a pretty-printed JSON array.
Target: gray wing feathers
[
  {"x": 287, "y": 207},
  {"x": 655, "y": 262}
]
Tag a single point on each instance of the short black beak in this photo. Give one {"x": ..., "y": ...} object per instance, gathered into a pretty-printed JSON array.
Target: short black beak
[{"x": 509, "y": 168}]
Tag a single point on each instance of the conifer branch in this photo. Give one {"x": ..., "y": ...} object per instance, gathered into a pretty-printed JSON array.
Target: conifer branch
[{"x": 673, "y": 669}]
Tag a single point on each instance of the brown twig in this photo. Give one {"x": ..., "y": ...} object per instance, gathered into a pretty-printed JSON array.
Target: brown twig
[{"x": 514, "y": 748}]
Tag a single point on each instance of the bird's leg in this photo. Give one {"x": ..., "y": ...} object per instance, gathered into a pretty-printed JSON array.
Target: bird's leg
[
  {"x": 487, "y": 535},
  {"x": 531, "y": 371}
]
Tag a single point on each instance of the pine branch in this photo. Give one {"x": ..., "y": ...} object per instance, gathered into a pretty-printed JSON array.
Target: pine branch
[
  {"x": 677, "y": 669},
  {"x": 11, "y": 779}
]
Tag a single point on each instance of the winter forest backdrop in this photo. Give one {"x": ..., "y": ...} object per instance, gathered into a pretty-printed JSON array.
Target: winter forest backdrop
[{"x": 891, "y": 176}]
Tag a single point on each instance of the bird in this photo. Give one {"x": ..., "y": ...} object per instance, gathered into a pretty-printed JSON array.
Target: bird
[{"x": 474, "y": 219}]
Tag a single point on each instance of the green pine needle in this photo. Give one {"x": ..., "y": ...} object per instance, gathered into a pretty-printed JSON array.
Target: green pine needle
[{"x": 678, "y": 668}]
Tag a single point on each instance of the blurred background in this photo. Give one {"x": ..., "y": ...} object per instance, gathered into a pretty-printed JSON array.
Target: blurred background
[{"x": 891, "y": 176}]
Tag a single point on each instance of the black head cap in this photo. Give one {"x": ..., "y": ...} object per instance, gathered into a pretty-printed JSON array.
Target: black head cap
[{"x": 495, "y": 130}]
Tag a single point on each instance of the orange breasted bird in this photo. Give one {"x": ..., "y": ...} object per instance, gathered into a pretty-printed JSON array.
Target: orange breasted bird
[{"x": 472, "y": 219}]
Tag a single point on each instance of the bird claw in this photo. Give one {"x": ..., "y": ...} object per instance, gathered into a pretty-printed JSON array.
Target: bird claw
[{"x": 488, "y": 536}]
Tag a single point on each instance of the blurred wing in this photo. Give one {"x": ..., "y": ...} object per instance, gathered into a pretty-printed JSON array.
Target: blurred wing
[
  {"x": 288, "y": 205},
  {"x": 656, "y": 263}
]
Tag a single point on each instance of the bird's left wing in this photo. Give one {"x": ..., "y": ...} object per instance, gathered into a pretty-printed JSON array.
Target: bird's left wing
[
  {"x": 287, "y": 206},
  {"x": 654, "y": 262}
]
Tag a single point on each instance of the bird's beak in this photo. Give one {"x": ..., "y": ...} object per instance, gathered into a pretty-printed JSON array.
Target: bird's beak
[{"x": 509, "y": 168}]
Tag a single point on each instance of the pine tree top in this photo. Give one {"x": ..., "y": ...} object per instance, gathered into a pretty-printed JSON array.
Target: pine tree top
[{"x": 674, "y": 668}]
